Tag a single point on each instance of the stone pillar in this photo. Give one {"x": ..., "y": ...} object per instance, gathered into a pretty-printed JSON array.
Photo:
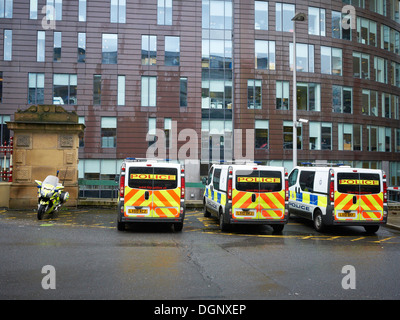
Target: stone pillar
[{"x": 46, "y": 139}]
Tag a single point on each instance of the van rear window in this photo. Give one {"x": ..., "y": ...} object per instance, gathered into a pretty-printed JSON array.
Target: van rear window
[
  {"x": 358, "y": 183},
  {"x": 258, "y": 181},
  {"x": 150, "y": 178}
]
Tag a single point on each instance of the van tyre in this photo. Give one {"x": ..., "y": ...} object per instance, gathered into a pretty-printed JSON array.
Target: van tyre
[
  {"x": 222, "y": 224},
  {"x": 120, "y": 226},
  {"x": 278, "y": 228},
  {"x": 206, "y": 213},
  {"x": 371, "y": 229},
  {"x": 318, "y": 224},
  {"x": 178, "y": 226}
]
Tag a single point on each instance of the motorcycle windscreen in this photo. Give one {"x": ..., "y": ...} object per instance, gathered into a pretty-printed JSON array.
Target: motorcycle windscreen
[
  {"x": 258, "y": 194},
  {"x": 359, "y": 197}
]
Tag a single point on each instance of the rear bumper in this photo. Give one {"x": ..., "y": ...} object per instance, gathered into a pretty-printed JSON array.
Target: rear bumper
[
  {"x": 258, "y": 221},
  {"x": 123, "y": 218}
]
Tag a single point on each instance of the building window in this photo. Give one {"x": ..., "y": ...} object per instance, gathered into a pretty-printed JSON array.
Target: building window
[
  {"x": 308, "y": 96},
  {"x": 183, "y": 92},
  {"x": 108, "y": 132},
  {"x": 7, "y": 45},
  {"x": 378, "y": 6},
  {"x": 350, "y": 136},
  {"x": 320, "y": 136},
  {"x": 53, "y": 9},
  {"x": 96, "y": 89},
  {"x": 394, "y": 10},
  {"x": 304, "y": 57},
  {"x": 41, "y": 46},
  {"x": 6, "y": 8},
  {"x": 361, "y": 65},
  {"x": 109, "y": 48},
  {"x": 118, "y": 11},
  {"x": 338, "y": 32},
  {"x": 81, "y": 135},
  {"x": 164, "y": 12},
  {"x": 395, "y": 74},
  {"x": 1, "y": 86},
  {"x": 356, "y": 3},
  {"x": 380, "y": 70},
  {"x": 390, "y": 39},
  {"x": 151, "y": 133},
  {"x": 33, "y": 5},
  {"x": 282, "y": 95},
  {"x": 82, "y": 47},
  {"x": 172, "y": 51},
  {"x": 167, "y": 132},
  {"x": 284, "y": 14},
  {"x": 342, "y": 99},
  {"x": 265, "y": 54},
  {"x": 149, "y": 50},
  {"x": 121, "y": 91},
  {"x": 261, "y": 128},
  {"x": 36, "y": 88},
  {"x": 390, "y": 106},
  {"x": 217, "y": 14},
  {"x": 397, "y": 146},
  {"x": 316, "y": 21},
  {"x": 57, "y": 47},
  {"x": 4, "y": 131},
  {"x": 65, "y": 89},
  {"x": 370, "y": 102},
  {"x": 149, "y": 91},
  {"x": 254, "y": 96},
  {"x": 366, "y": 31},
  {"x": 288, "y": 135},
  {"x": 260, "y": 15},
  {"x": 82, "y": 10},
  {"x": 331, "y": 60},
  {"x": 379, "y": 139}
]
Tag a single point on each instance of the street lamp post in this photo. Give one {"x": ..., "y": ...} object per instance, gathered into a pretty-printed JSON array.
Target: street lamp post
[{"x": 298, "y": 17}]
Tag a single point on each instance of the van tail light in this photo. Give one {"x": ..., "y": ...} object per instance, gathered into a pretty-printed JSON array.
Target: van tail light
[
  {"x": 122, "y": 185},
  {"x": 286, "y": 187},
  {"x": 332, "y": 188},
  {"x": 385, "y": 197},
  {"x": 230, "y": 184},
  {"x": 182, "y": 184}
]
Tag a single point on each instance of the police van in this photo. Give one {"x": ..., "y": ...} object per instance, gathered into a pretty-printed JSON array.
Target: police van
[
  {"x": 339, "y": 195},
  {"x": 247, "y": 194},
  {"x": 151, "y": 191}
]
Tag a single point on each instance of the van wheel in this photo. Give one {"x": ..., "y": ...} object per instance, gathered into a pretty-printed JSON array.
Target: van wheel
[
  {"x": 206, "y": 213},
  {"x": 277, "y": 227},
  {"x": 222, "y": 224},
  {"x": 318, "y": 224},
  {"x": 120, "y": 226},
  {"x": 178, "y": 226},
  {"x": 371, "y": 229}
]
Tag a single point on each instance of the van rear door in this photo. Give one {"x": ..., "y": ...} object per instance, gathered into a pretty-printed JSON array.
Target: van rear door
[
  {"x": 258, "y": 194},
  {"x": 152, "y": 192},
  {"x": 359, "y": 196}
]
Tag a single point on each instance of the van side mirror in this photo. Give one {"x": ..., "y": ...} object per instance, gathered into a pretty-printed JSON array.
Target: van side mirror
[{"x": 204, "y": 180}]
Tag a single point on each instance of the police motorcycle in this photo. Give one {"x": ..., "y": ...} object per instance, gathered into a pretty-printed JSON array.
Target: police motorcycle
[{"x": 50, "y": 196}]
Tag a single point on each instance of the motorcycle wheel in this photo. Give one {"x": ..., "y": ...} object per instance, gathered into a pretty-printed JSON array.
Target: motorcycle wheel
[{"x": 41, "y": 211}]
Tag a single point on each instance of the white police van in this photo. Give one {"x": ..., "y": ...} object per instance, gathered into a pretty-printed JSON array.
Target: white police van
[
  {"x": 339, "y": 195},
  {"x": 247, "y": 194}
]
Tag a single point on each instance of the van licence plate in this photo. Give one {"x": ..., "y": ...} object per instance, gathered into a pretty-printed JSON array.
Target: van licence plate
[
  {"x": 137, "y": 211},
  {"x": 347, "y": 214},
  {"x": 244, "y": 213}
]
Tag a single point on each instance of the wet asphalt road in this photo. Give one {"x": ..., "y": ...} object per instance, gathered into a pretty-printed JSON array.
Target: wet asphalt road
[{"x": 93, "y": 260}]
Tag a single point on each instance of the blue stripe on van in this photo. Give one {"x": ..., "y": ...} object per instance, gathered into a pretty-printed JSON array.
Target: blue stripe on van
[
  {"x": 313, "y": 199},
  {"x": 299, "y": 196}
]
